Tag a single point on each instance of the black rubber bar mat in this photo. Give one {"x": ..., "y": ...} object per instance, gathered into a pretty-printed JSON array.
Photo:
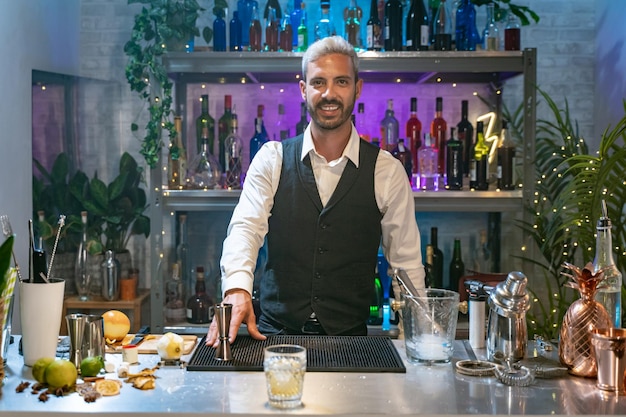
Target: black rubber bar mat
[{"x": 324, "y": 354}]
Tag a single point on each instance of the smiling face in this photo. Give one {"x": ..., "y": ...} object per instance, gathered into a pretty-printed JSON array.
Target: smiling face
[{"x": 330, "y": 91}]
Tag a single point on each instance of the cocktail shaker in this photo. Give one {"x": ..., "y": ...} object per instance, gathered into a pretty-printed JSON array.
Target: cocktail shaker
[
  {"x": 506, "y": 329},
  {"x": 110, "y": 272}
]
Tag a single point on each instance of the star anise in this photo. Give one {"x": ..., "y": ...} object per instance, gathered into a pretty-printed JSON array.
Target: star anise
[
  {"x": 44, "y": 396},
  {"x": 22, "y": 386}
]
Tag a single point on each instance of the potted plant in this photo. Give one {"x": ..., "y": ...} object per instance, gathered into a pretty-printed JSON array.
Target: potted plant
[{"x": 161, "y": 25}]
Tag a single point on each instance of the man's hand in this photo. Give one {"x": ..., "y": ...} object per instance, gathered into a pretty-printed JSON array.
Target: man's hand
[{"x": 242, "y": 312}]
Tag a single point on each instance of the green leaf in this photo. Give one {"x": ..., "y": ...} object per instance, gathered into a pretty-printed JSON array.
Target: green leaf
[{"x": 5, "y": 260}]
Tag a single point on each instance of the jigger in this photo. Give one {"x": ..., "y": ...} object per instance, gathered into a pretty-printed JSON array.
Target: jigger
[{"x": 222, "y": 313}]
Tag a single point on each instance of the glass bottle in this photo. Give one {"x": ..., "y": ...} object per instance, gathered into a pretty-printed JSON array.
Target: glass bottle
[
  {"x": 260, "y": 135},
  {"x": 465, "y": 133},
  {"x": 324, "y": 27},
  {"x": 296, "y": 19},
  {"x": 182, "y": 254},
  {"x": 361, "y": 123},
  {"x": 491, "y": 37},
  {"x": 512, "y": 34},
  {"x": 437, "y": 259},
  {"x": 389, "y": 128},
  {"x": 414, "y": 134},
  {"x": 466, "y": 33},
  {"x": 457, "y": 267},
  {"x": 82, "y": 275},
  {"x": 303, "y": 32},
  {"x": 402, "y": 154},
  {"x": 177, "y": 158},
  {"x": 271, "y": 30},
  {"x": 199, "y": 304},
  {"x": 454, "y": 162},
  {"x": 175, "y": 311},
  {"x": 245, "y": 7},
  {"x": 443, "y": 28},
  {"x": 373, "y": 37},
  {"x": 609, "y": 295},
  {"x": 481, "y": 160},
  {"x": 235, "y": 28},
  {"x": 417, "y": 36},
  {"x": 234, "y": 148},
  {"x": 281, "y": 123},
  {"x": 303, "y": 122},
  {"x": 482, "y": 255},
  {"x": 219, "y": 31},
  {"x": 285, "y": 36},
  {"x": 427, "y": 164},
  {"x": 204, "y": 170},
  {"x": 223, "y": 129},
  {"x": 205, "y": 120},
  {"x": 505, "y": 160},
  {"x": 254, "y": 30},
  {"x": 438, "y": 130},
  {"x": 392, "y": 27},
  {"x": 429, "y": 280},
  {"x": 353, "y": 24},
  {"x": 278, "y": 12}
]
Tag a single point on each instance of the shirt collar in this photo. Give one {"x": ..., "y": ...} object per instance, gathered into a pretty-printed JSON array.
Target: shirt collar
[{"x": 351, "y": 151}]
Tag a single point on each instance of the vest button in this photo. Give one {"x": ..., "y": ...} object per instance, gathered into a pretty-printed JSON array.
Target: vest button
[
  {"x": 321, "y": 251},
  {"x": 318, "y": 275},
  {"x": 323, "y": 226}
]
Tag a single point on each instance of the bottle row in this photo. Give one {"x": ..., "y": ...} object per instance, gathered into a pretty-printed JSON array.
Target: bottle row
[{"x": 391, "y": 26}]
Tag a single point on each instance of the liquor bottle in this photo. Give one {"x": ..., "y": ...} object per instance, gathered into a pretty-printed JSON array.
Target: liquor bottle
[
  {"x": 235, "y": 28},
  {"x": 465, "y": 30},
  {"x": 438, "y": 129},
  {"x": 437, "y": 259},
  {"x": 182, "y": 254},
  {"x": 376, "y": 306},
  {"x": 491, "y": 36},
  {"x": 465, "y": 132},
  {"x": 512, "y": 34},
  {"x": 281, "y": 124},
  {"x": 454, "y": 162},
  {"x": 417, "y": 36},
  {"x": 402, "y": 154},
  {"x": 260, "y": 135},
  {"x": 429, "y": 280},
  {"x": 303, "y": 32},
  {"x": 271, "y": 30},
  {"x": 219, "y": 31},
  {"x": 324, "y": 27},
  {"x": 481, "y": 160},
  {"x": 223, "y": 129},
  {"x": 199, "y": 304},
  {"x": 175, "y": 311},
  {"x": 443, "y": 28},
  {"x": 233, "y": 149},
  {"x": 82, "y": 276},
  {"x": 273, "y": 4},
  {"x": 285, "y": 36},
  {"x": 392, "y": 27},
  {"x": 204, "y": 171},
  {"x": 254, "y": 30},
  {"x": 245, "y": 7},
  {"x": 205, "y": 121},
  {"x": 389, "y": 128},
  {"x": 177, "y": 159},
  {"x": 352, "y": 30},
  {"x": 414, "y": 133},
  {"x": 373, "y": 38},
  {"x": 296, "y": 19},
  {"x": 303, "y": 123},
  {"x": 610, "y": 295},
  {"x": 361, "y": 123},
  {"x": 457, "y": 267},
  {"x": 506, "y": 160},
  {"x": 427, "y": 160},
  {"x": 482, "y": 255}
]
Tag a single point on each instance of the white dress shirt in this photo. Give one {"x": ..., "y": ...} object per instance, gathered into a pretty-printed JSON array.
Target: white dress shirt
[{"x": 249, "y": 223}]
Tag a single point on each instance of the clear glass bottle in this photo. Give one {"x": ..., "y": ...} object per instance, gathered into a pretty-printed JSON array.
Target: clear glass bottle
[
  {"x": 491, "y": 35},
  {"x": 427, "y": 162},
  {"x": 235, "y": 33},
  {"x": 414, "y": 135},
  {"x": 255, "y": 34},
  {"x": 271, "y": 30},
  {"x": 199, "y": 303},
  {"x": 260, "y": 135},
  {"x": 175, "y": 311},
  {"x": 457, "y": 267},
  {"x": 482, "y": 255},
  {"x": 443, "y": 27},
  {"x": 82, "y": 275},
  {"x": 183, "y": 254},
  {"x": 392, "y": 26},
  {"x": 361, "y": 123},
  {"x": 285, "y": 36},
  {"x": 609, "y": 295},
  {"x": 465, "y": 133},
  {"x": 303, "y": 122},
  {"x": 454, "y": 162},
  {"x": 303, "y": 32},
  {"x": 219, "y": 31},
  {"x": 438, "y": 131},
  {"x": 389, "y": 128},
  {"x": 374, "y": 29},
  {"x": 205, "y": 120},
  {"x": 505, "y": 160},
  {"x": 512, "y": 34},
  {"x": 352, "y": 30},
  {"x": 223, "y": 129},
  {"x": 204, "y": 171},
  {"x": 234, "y": 148},
  {"x": 324, "y": 26}
]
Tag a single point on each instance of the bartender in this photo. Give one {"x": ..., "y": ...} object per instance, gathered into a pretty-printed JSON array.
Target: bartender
[{"x": 324, "y": 201}]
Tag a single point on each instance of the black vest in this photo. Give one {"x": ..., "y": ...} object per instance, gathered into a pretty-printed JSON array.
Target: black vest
[{"x": 322, "y": 259}]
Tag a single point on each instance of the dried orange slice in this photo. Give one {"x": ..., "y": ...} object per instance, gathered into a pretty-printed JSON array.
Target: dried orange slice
[{"x": 108, "y": 387}]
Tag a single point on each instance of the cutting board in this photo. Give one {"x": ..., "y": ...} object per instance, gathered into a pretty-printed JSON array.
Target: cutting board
[{"x": 148, "y": 345}]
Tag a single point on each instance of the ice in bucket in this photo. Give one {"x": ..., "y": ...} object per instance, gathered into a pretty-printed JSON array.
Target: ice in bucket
[
  {"x": 284, "y": 366},
  {"x": 430, "y": 325}
]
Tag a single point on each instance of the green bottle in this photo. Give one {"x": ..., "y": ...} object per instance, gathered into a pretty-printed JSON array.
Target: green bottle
[
  {"x": 205, "y": 121},
  {"x": 223, "y": 130},
  {"x": 303, "y": 36}
]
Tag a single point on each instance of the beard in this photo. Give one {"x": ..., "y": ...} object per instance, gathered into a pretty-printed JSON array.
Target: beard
[{"x": 334, "y": 123}]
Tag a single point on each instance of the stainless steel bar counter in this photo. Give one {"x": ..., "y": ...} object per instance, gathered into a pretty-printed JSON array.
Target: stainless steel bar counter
[{"x": 422, "y": 390}]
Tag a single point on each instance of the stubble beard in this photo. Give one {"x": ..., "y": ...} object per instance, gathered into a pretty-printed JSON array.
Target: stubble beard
[{"x": 331, "y": 124}]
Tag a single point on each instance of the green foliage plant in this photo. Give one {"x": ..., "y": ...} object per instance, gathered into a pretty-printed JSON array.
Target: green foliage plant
[{"x": 503, "y": 7}]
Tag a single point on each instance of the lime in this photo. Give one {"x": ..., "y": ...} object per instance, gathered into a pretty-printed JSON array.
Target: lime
[
  {"x": 61, "y": 373},
  {"x": 39, "y": 369},
  {"x": 91, "y": 366}
]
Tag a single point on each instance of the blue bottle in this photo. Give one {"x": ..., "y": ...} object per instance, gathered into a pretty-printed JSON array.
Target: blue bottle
[
  {"x": 235, "y": 32},
  {"x": 219, "y": 31},
  {"x": 467, "y": 36},
  {"x": 260, "y": 134},
  {"x": 244, "y": 7},
  {"x": 296, "y": 18}
]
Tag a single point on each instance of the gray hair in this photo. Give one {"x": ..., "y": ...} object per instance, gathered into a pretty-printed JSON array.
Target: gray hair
[{"x": 327, "y": 46}]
